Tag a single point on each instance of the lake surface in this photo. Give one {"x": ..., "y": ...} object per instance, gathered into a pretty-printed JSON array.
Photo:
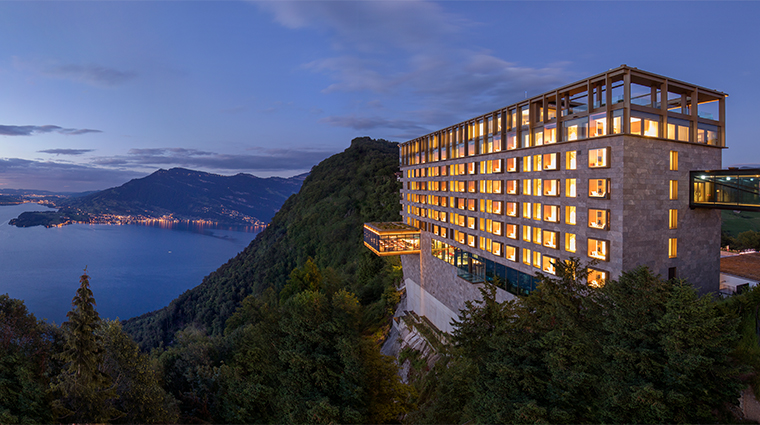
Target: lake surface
[{"x": 133, "y": 269}]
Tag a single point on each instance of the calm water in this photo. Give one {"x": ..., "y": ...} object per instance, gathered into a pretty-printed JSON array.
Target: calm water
[{"x": 133, "y": 269}]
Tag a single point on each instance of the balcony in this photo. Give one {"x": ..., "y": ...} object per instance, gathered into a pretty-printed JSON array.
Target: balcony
[{"x": 391, "y": 238}]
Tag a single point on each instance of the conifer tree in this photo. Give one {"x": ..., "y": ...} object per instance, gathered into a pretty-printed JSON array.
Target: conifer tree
[{"x": 83, "y": 390}]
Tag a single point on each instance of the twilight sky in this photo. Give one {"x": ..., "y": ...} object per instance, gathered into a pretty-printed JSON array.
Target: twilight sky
[{"x": 95, "y": 93}]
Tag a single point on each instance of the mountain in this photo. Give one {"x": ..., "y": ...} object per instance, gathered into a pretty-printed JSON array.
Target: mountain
[
  {"x": 324, "y": 221},
  {"x": 183, "y": 194}
]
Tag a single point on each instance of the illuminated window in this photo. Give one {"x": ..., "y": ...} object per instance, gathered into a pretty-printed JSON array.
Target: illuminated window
[
  {"x": 460, "y": 236},
  {"x": 497, "y": 207},
  {"x": 598, "y": 158},
  {"x": 525, "y": 140},
  {"x": 527, "y": 186},
  {"x": 571, "y": 160},
  {"x": 471, "y": 240},
  {"x": 550, "y": 134},
  {"x": 472, "y": 186},
  {"x": 598, "y": 219},
  {"x": 511, "y": 231},
  {"x": 497, "y": 166},
  {"x": 672, "y": 248},
  {"x": 548, "y": 266},
  {"x": 598, "y": 188},
  {"x": 536, "y": 211},
  {"x": 498, "y": 186},
  {"x": 673, "y": 189},
  {"x": 598, "y": 249},
  {"x": 597, "y": 125},
  {"x": 461, "y": 169},
  {"x": 538, "y": 137},
  {"x": 575, "y": 129},
  {"x": 537, "y": 186},
  {"x": 551, "y": 187},
  {"x": 496, "y": 227},
  {"x": 527, "y": 164},
  {"x": 524, "y": 115},
  {"x": 537, "y": 162},
  {"x": 496, "y": 248},
  {"x": 570, "y": 188},
  {"x": 471, "y": 205},
  {"x": 550, "y": 161},
  {"x": 673, "y": 219},
  {"x": 569, "y": 242},
  {"x": 536, "y": 259},
  {"x": 471, "y": 223},
  {"x": 527, "y": 232},
  {"x": 550, "y": 238},
  {"x": 512, "y": 209},
  {"x": 551, "y": 213},
  {"x": 511, "y": 165},
  {"x": 673, "y": 161},
  {"x": 511, "y": 141},
  {"x": 537, "y": 235},
  {"x": 512, "y": 187},
  {"x": 678, "y": 129},
  {"x": 570, "y": 214},
  {"x": 645, "y": 124},
  {"x": 510, "y": 252},
  {"x": 596, "y": 278},
  {"x": 526, "y": 256}
]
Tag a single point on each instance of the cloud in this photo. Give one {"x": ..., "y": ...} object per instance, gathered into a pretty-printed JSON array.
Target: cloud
[
  {"x": 370, "y": 123},
  {"x": 28, "y": 130},
  {"x": 263, "y": 160},
  {"x": 66, "y": 151},
  {"x": 92, "y": 74},
  {"x": 17, "y": 173}
]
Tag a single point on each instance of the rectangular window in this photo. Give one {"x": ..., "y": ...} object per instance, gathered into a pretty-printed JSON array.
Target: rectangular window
[
  {"x": 569, "y": 242},
  {"x": 527, "y": 232},
  {"x": 598, "y": 219},
  {"x": 598, "y": 158},
  {"x": 471, "y": 223},
  {"x": 537, "y": 187},
  {"x": 536, "y": 211},
  {"x": 472, "y": 168},
  {"x": 497, "y": 166},
  {"x": 551, "y": 163},
  {"x": 570, "y": 188},
  {"x": 471, "y": 241},
  {"x": 471, "y": 205},
  {"x": 673, "y": 190},
  {"x": 525, "y": 140},
  {"x": 537, "y": 235},
  {"x": 496, "y": 227},
  {"x": 527, "y": 185},
  {"x": 570, "y": 215},
  {"x": 550, "y": 134},
  {"x": 511, "y": 165},
  {"x": 511, "y": 231},
  {"x": 678, "y": 129},
  {"x": 510, "y": 253},
  {"x": 511, "y": 141},
  {"x": 549, "y": 265},
  {"x": 496, "y": 248},
  {"x": 673, "y": 219},
  {"x": 598, "y": 188},
  {"x": 536, "y": 259},
  {"x": 537, "y": 162},
  {"x": 598, "y": 249},
  {"x": 596, "y": 278},
  {"x": 673, "y": 161},
  {"x": 550, "y": 238},
  {"x": 571, "y": 160},
  {"x": 538, "y": 137},
  {"x": 672, "y": 248},
  {"x": 497, "y": 207},
  {"x": 645, "y": 124},
  {"x": 551, "y": 213},
  {"x": 527, "y": 164},
  {"x": 526, "y": 256},
  {"x": 498, "y": 186},
  {"x": 597, "y": 125},
  {"x": 512, "y": 209},
  {"x": 512, "y": 187},
  {"x": 575, "y": 129},
  {"x": 472, "y": 186},
  {"x": 551, "y": 187}
]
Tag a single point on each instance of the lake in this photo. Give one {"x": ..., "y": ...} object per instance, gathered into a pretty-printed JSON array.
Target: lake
[{"x": 133, "y": 269}]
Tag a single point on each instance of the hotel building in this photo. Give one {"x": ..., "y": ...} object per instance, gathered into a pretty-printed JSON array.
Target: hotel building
[{"x": 598, "y": 170}]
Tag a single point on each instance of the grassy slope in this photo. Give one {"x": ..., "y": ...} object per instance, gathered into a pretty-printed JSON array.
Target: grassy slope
[
  {"x": 734, "y": 223},
  {"x": 323, "y": 221}
]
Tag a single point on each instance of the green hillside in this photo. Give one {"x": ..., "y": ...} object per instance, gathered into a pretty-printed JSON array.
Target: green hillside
[
  {"x": 323, "y": 221},
  {"x": 735, "y": 223}
]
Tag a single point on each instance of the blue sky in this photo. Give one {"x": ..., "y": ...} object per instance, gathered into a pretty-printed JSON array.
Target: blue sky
[{"x": 96, "y": 93}]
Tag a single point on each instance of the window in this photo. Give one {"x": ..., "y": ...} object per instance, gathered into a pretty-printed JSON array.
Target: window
[
  {"x": 537, "y": 235},
  {"x": 673, "y": 161},
  {"x": 597, "y": 125},
  {"x": 598, "y": 249},
  {"x": 525, "y": 139},
  {"x": 571, "y": 160},
  {"x": 645, "y": 124},
  {"x": 673, "y": 219},
  {"x": 548, "y": 266},
  {"x": 537, "y": 162},
  {"x": 536, "y": 187},
  {"x": 598, "y": 219},
  {"x": 471, "y": 205},
  {"x": 707, "y": 133},
  {"x": 511, "y": 231},
  {"x": 510, "y": 253},
  {"x": 527, "y": 164},
  {"x": 536, "y": 259},
  {"x": 527, "y": 186},
  {"x": 471, "y": 223},
  {"x": 550, "y": 238},
  {"x": 672, "y": 248},
  {"x": 471, "y": 241},
  {"x": 570, "y": 188},
  {"x": 598, "y": 188},
  {"x": 551, "y": 187},
  {"x": 538, "y": 137},
  {"x": 551, "y": 213},
  {"x": 526, "y": 233},
  {"x": 570, "y": 242},
  {"x": 511, "y": 165},
  {"x": 498, "y": 186},
  {"x": 550, "y": 161},
  {"x": 598, "y": 158},
  {"x": 674, "y": 190},
  {"x": 536, "y": 211},
  {"x": 511, "y": 141},
  {"x": 512, "y": 209},
  {"x": 471, "y": 168},
  {"x": 596, "y": 278},
  {"x": 570, "y": 214},
  {"x": 575, "y": 129},
  {"x": 472, "y": 186},
  {"x": 526, "y": 256},
  {"x": 678, "y": 129},
  {"x": 496, "y": 248},
  {"x": 512, "y": 187},
  {"x": 496, "y": 227}
]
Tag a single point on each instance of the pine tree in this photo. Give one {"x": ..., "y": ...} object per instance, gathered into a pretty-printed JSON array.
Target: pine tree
[{"x": 84, "y": 391}]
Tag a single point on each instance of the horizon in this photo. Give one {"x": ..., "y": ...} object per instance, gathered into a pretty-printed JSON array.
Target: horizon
[{"x": 100, "y": 93}]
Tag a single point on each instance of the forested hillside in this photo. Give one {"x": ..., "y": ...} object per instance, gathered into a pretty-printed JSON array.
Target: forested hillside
[{"x": 323, "y": 221}]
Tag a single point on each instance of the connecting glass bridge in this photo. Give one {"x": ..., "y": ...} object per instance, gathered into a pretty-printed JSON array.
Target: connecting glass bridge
[
  {"x": 733, "y": 189},
  {"x": 393, "y": 238}
]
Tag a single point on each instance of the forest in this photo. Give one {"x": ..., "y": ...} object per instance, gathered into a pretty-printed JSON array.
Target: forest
[{"x": 289, "y": 332}]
